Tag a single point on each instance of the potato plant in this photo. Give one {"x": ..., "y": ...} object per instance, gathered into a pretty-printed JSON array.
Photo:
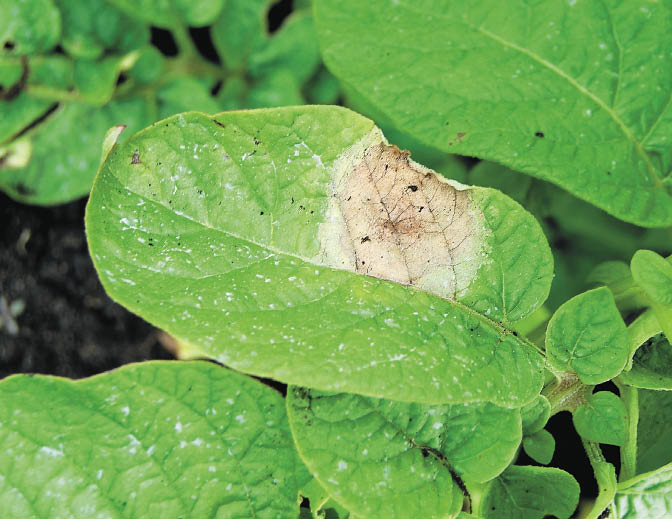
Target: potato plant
[{"x": 388, "y": 337}]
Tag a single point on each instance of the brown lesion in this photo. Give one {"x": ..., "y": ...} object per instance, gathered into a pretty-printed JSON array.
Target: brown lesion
[{"x": 405, "y": 223}]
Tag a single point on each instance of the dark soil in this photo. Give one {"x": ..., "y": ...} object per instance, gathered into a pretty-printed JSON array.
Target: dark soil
[{"x": 69, "y": 326}]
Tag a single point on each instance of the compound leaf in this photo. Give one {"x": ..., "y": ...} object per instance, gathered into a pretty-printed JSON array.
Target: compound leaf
[
  {"x": 587, "y": 335},
  {"x": 159, "y": 439},
  {"x": 576, "y": 93},
  {"x": 249, "y": 236}
]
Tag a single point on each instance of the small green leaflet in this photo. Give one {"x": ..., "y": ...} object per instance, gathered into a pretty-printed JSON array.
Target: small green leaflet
[
  {"x": 654, "y": 274},
  {"x": 256, "y": 238},
  {"x": 602, "y": 419},
  {"x": 158, "y": 439},
  {"x": 646, "y": 496},
  {"x": 540, "y": 446},
  {"x": 531, "y": 493},
  {"x": 535, "y": 415},
  {"x": 576, "y": 93},
  {"x": 393, "y": 459},
  {"x": 587, "y": 335}
]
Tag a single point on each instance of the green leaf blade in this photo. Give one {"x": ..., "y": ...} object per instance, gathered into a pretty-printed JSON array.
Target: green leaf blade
[
  {"x": 588, "y": 335},
  {"x": 531, "y": 493},
  {"x": 173, "y": 439},
  {"x": 602, "y": 419},
  {"x": 569, "y": 113},
  {"x": 647, "y": 496},
  {"x": 392, "y": 459},
  {"x": 654, "y": 274},
  {"x": 232, "y": 221}
]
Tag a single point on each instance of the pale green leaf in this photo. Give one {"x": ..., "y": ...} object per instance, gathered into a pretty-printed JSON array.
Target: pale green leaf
[
  {"x": 66, "y": 151},
  {"x": 381, "y": 458},
  {"x": 587, "y": 335},
  {"x": 651, "y": 365},
  {"x": 531, "y": 493},
  {"x": 227, "y": 232},
  {"x": 576, "y": 93},
  {"x": 654, "y": 274},
  {"x": 602, "y": 419},
  {"x": 610, "y": 273},
  {"x": 540, "y": 446},
  {"x": 654, "y": 430},
  {"x": 535, "y": 415},
  {"x": 647, "y": 496},
  {"x": 29, "y": 26},
  {"x": 478, "y": 441},
  {"x": 159, "y": 439}
]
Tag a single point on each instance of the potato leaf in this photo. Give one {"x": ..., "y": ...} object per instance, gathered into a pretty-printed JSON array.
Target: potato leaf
[
  {"x": 531, "y": 493},
  {"x": 576, "y": 93},
  {"x": 647, "y": 496},
  {"x": 276, "y": 241},
  {"x": 159, "y": 439},
  {"x": 587, "y": 335},
  {"x": 392, "y": 459},
  {"x": 535, "y": 415},
  {"x": 540, "y": 446},
  {"x": 602, "y": 419},
  {"x": 63, "y": 168},
  {"x": 29, "y": 26},
  {"x": 651, "y": 365}
]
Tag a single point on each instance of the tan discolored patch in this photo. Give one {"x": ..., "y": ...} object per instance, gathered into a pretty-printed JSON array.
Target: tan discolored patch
[{"x": 394, "y": 219}]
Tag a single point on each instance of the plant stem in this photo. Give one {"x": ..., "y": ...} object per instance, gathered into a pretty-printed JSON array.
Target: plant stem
[
  {"x": 629, "y": 450},
  {"x": 605, "y": 476},
  {"x": 185, "y": 45},
  {"x": 566, "y": 394}
]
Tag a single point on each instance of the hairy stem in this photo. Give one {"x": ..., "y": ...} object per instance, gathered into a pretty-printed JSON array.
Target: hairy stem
[{"x": 629, "y": 450}]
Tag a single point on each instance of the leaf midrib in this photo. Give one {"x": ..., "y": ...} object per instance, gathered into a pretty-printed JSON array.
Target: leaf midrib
[
  {"x": 497, "y": 326},
  {"x": 653, "y": 173}
]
